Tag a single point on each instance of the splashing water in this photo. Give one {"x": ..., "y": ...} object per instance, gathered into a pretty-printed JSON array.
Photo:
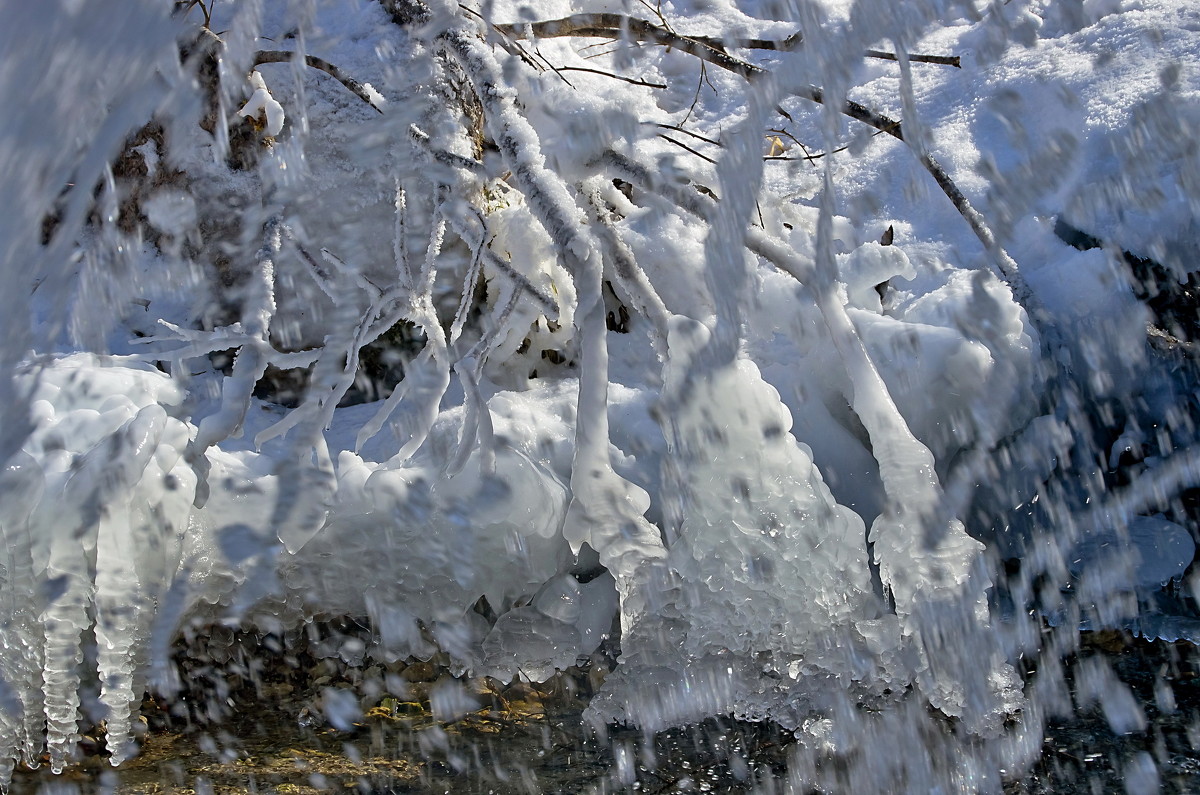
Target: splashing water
[{"x": 444, "y": 318}]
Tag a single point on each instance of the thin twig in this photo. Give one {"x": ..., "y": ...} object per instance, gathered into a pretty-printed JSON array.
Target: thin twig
[
  {"x": 283, "y": 56},
  {"x": 630, "y": 80},
  {"x": 682, "y": 145},
  {"x": 809, "y": 156},
  {"x": 685, "y": 131},
  {"x": 557, "y": 71},
  {"x": 700, "y": 81},
  {"x": 945, "y": 60}
]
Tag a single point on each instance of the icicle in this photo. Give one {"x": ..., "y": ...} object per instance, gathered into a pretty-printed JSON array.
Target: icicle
[
  {"x": 23, "y": 487},
  {"x": 21, "y": 713},
  {"x": 630, "y": 277},
  {"x": 119, "y": 614},
  {"x": 606, "y": 511},
  {"x": 428, "y": 375}
]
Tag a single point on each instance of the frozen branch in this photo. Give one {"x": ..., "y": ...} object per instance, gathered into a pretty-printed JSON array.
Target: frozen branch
[
  {"x": 359, "y": 90},
  {"x": 620, "y": 26},
  {"x": 606, "y": 511}
]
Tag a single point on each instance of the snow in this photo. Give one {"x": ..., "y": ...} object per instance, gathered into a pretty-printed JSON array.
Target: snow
[
  {"x": 261, "y": 108},
  {"x": 785, "y": 478}
]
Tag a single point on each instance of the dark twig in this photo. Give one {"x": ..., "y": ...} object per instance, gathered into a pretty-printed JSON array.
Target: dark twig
[
  {"x": 687, "y": 132},
  {"x": 944, "y": 60},
  {"x": 684, "y": 146},
  {"x": 630, "y": 80},
  {"x": 283, "y": 56},
  {"x": 187, "y": 5}
]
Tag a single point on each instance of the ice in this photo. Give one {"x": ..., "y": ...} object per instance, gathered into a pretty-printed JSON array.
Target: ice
[
  {"x": 1155, "y": 549},
  {"x": 575, "y": 370}
]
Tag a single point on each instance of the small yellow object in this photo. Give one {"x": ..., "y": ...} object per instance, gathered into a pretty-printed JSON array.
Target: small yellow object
[{"x": 775, "y": 146}]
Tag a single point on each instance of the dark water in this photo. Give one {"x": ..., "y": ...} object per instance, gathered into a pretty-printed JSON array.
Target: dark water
[{"x": 253, "y": 723}]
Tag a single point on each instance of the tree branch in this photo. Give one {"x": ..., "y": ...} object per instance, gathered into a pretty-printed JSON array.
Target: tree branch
[
  {"x": 609, "y": 25},
  {"x": 615, "y": 26},
  {"x": 283, "y": 56},
  {"x": 630, "y": 80},
  {"x": 944, "y": 60}
]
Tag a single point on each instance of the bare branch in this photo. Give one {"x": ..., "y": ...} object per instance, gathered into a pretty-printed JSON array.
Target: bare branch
[
  {"x": 686, "y": 131},
  {"x": 630, "y": 80},
  {"x": 944, "y": 60},
  {"x": 685, "y": 147}
]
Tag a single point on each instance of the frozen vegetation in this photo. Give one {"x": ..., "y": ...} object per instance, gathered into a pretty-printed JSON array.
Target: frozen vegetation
[{"x": 519, "y": 328}]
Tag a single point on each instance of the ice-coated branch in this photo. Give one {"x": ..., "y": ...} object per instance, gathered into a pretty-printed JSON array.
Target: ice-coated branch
[
  {"x": 630, "y": 277},
  {"x": 361, "y": 90},
  {"x": 468, "y": 223},
  {"x": 400, "y": 240},
  {"x": 428, "y": 376},
  {"x": 616, "y": 25},
  {"x": 424, "y": 146},
  {"x": 606, "y": 511},
  {"x": 253, "y": 357}
]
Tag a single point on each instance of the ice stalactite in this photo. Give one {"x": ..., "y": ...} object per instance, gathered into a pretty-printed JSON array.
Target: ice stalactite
[
  {"x": 933, "y": 568},
  {"x": 22, "y": 712},
  {"x": 606, "y": 511},
  {"x": 104, "y": 536}
]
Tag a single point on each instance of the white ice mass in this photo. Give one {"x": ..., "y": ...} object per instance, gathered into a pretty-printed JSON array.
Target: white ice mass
[{"x": 771, "y": 425}]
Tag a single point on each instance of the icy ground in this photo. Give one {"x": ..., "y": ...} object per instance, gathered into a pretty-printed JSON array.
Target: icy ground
[{"x": 688, "y": 362}]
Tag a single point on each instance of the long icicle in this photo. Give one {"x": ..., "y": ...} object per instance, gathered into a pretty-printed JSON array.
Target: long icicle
[{"x": 606, "y": 511}]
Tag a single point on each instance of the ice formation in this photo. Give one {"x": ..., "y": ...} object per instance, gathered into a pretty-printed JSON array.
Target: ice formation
[{"x": 703, "y": 411}]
